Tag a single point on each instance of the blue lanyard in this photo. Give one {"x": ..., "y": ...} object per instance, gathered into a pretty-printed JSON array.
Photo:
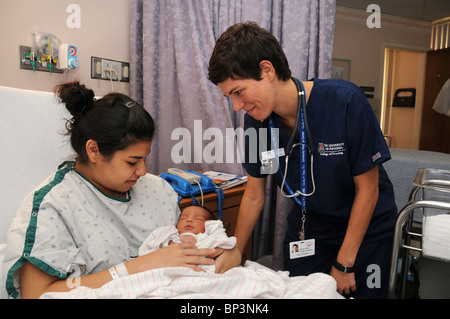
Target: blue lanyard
[{"x": 303, "y": 153}]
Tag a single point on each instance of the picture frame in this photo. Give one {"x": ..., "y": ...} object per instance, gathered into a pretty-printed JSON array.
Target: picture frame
[{"x": 341, "y": 69}]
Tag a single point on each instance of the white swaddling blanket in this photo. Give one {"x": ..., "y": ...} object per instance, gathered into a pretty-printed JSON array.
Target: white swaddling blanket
[
  {"x": 251, "y": 281},
  {"x": 213, "y": 237}
]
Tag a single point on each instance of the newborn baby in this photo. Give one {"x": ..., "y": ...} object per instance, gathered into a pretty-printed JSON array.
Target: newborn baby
[{"x": 195, "y": 225}]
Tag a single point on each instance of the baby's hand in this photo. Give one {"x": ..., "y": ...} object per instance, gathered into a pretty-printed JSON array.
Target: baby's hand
[{"x": 189, "y": 239}]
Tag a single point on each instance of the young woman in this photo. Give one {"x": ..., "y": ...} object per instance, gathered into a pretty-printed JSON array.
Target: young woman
[
  {"x": 344, "y": 203},
  {"x": 89, "y": 218}
]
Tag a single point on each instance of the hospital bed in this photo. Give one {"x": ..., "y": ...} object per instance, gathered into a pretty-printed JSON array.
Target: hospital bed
[
  {"x": 32, "y": 142},
  {"x": 32, "y": 145}
]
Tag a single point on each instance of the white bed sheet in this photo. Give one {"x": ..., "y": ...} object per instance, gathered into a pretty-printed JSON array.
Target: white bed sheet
[
  {"x": 436, "y": 235},
  {"x": 251, "y": 281}
]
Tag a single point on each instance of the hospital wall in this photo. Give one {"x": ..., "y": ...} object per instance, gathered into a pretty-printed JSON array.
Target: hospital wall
[
  {"x": 103, "y": 32},
  {"x": 365, "y": 47}
]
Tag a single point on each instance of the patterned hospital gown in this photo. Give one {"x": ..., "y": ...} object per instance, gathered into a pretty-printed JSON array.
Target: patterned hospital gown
[{"x": 68, "y": 225}]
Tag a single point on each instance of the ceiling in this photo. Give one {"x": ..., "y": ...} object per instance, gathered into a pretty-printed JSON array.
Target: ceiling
[{"x": 427, "y": 10}]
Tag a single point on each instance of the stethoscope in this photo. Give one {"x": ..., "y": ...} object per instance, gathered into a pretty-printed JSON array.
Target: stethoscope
[{"x": 305, "y": 142}]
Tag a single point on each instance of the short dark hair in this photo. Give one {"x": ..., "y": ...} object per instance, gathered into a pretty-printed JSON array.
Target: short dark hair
[
  {"x": 239, "y": 51},
  {"x": 114, "y": 121}
]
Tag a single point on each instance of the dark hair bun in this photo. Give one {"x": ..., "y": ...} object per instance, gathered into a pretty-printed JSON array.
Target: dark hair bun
[
  {"x": 75, "y": 96},
  {"x": 114, "y": 121}
]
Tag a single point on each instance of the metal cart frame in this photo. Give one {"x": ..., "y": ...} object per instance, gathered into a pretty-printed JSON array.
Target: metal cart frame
[{"x": 403, "y": 228}]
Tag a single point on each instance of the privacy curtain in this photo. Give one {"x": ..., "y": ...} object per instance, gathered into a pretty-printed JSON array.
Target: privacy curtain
[{"x": 170, "y": 45}]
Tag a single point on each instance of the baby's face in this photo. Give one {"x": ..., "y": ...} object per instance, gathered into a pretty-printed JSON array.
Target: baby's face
[{"x": 192, "y": 220}]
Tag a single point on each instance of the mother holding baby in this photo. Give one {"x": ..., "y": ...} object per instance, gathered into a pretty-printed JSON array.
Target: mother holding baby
[{"x": 89, "y": 218}]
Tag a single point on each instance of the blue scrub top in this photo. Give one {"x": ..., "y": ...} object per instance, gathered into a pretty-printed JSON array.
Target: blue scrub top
[{"x": 348, "y": 142}]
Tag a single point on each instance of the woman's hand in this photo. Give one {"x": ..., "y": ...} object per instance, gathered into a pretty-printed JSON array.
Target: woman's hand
[
  {"x": 176, "y": 255},
  {"x": 345, "y": 282},
  {"x": 366, "y": 196},
  {"x": 228, "y": 259}
]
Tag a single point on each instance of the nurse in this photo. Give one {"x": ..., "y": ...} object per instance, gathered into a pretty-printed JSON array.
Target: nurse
[
  {"x": 344, "y": 213},
  {"x": 84, "y": 224}
]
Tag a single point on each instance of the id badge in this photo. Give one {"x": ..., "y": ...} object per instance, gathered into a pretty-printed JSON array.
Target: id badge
[
  {"x": 302, "y": 248},
  {"x": 269, "y": 162},
  {"x": 270, "y": 155}
]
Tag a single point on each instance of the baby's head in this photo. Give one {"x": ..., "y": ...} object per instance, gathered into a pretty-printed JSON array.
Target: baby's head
[{"x": 192, "y": 220}]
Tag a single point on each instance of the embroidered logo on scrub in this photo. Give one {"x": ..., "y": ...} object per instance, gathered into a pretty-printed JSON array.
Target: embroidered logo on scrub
[{"x": 331, "y": 149}]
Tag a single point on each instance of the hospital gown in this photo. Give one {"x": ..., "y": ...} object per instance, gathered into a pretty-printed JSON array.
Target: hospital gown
[{"x": 68, "y": 225}]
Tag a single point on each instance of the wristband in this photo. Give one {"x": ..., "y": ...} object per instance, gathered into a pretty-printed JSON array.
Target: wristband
[
  {"x": 342, "y": 268},
  {"x": 121, "y": 270},
  {"x": 118, "y": 271},
  {"x": 113, "y": 273}
]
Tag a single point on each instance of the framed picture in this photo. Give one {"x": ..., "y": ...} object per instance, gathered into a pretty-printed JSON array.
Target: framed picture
[{"x": 341, "y": 69}]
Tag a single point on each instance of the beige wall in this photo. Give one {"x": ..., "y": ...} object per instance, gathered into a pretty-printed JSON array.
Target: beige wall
[
  {"x": 365, "y": 47},
  {"x": 355, "y": 41},
  {"x": 104, "y": 32}
]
